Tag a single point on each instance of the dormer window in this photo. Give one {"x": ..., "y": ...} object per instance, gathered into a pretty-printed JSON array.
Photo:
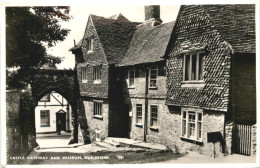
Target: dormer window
[
  {"x": 193, "y": 67},
  {"x": 90, "y": 44}
]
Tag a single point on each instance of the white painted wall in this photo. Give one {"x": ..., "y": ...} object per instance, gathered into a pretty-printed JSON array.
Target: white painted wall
[{"x": 53, "y": 111}]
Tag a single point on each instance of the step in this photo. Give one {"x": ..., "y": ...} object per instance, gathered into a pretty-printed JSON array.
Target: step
[{"x": 113, "y": 143}]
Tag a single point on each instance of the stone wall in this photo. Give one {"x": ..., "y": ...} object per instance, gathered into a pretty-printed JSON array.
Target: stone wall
[
  {"x": 13, "y": 137},
  {"x": 228, "y": 138},
  {"x": 94, "y": 123}
]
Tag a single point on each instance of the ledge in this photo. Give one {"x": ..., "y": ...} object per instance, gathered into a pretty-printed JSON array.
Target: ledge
[
  {"x": 152, "y": 88},
  {"x": 97, "y": 82},
  {"x": 193, "y": 84},
  {"x": 192, "y": 140},
  {"x": 153, "y": 128},
  {"x": 98, "y": 116},
  {"x": 139, "y": 125},
  {"x": 131, "y": 87},
  {"x": 90, "y": 51},
  {"x": 84, "y": 81}
]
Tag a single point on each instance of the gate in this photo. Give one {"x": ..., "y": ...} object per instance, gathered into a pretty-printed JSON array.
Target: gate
[{"x": 242, "y": 139}]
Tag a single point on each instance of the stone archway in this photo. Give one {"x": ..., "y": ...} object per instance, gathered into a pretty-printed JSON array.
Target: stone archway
[{"x": 63, "y": 82}]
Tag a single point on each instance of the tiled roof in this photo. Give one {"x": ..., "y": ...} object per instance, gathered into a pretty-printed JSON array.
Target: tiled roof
[
  {"x": 236, "y": 23},
  {"x": 148, "y": 44},
  {"x": 114, "y": 35}
]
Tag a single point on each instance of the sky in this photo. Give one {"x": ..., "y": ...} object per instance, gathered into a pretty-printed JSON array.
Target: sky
[{"x": 78, "y": 23}]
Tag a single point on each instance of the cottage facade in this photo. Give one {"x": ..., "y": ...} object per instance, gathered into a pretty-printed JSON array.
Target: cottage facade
[
  {"x": 51, "y": 109},
  {"x": 205, "y": 73}
]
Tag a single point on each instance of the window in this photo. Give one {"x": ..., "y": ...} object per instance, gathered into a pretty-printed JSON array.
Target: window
[
  {"x": 139, "y": 113},
  {"x": 153, "y": 76},
  {"x": 193, "y": 67},
  {"x": 98, "y": 108},
  {"x": 154, "y": 115},
  {"x": 192, "y": 123},
  {"x": 45, "y": 118},
  {"x": 84, "y": 75},
  {"x": 131, "y": 78},
  {"x": 97, "y": 74},
  {"x": 90, "y": 44}
]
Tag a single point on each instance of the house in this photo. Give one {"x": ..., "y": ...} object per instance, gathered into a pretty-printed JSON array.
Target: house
[
  {"x": 52, "y": 108},
  {"x": 176, "y": 84},
  {"x": 211, "y": 74},
  {"x": 103, "y": 46},
  {"x": 145, "y": 78}
]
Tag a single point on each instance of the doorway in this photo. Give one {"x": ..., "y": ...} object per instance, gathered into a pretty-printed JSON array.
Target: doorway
[{"x": 61, "y": 119}]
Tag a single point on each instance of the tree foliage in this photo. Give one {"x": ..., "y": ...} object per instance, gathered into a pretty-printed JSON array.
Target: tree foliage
[{"x": 29, "y": 30}]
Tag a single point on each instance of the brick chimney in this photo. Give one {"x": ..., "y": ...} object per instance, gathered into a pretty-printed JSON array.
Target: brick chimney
[{"x": 152, "y": 13}]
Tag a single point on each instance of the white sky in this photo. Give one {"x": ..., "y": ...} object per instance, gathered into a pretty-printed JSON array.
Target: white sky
[{"x": 80, "y": 15}]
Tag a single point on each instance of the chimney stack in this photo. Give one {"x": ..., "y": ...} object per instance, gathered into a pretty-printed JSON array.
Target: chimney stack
[{"x": 152, "y": 13}]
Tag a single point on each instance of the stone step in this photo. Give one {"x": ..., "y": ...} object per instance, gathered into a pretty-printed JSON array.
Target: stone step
[
  {"x": 110, "y": 142},
  {"x": 104, "y": 145}
]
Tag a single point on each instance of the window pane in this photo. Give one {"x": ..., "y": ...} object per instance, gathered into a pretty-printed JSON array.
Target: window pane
[
  {"x": 200, "y": 66},
  {"x": 131, "y": 77},
  {"x": 192, "y": 129},
  {"x": 183, "y": 127},
  {"x": 193, "y": 72},
  {"x": 153, "y": 76},
  {"x": 199, "y": 130},
  {"x": 187, "y": 70},
  {"x": 154, "y": 117}
]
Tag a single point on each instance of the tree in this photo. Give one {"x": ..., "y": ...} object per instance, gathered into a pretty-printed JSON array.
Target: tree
[{"x": 29, "y": 31}]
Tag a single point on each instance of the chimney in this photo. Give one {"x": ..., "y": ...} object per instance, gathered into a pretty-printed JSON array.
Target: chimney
[{"x": 152, "y": 13}]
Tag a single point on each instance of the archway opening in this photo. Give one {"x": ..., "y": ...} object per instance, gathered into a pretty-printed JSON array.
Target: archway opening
[{"x": 53, "y": 114}]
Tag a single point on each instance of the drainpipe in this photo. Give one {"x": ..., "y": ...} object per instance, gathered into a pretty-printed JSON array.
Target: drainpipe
[{"x": 146, "y": 102}]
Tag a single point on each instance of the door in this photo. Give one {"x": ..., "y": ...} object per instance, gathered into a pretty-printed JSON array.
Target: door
[{"x": 61, "y": 119}]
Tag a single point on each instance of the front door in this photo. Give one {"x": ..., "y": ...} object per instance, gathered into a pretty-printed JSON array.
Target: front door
[{"x": 61, "y": 121}]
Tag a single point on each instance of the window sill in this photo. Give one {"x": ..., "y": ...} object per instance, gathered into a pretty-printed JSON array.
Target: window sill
[
  {"x": 195, "y": 84},
  {"x": 98, "y": 116},
  {"x": 97, "y": 82},
  {"x": 131, "y": 87},
  {"x": 84, "y": 81},
  {"x": 139, "y": 125},
  {"x": 199, "y": 142},
  {"x": 45, "y": 126},
  {"x": 153, "y": 87},
  {"x": 90, "y": 51},
  {"x": 154, "y": 128}
]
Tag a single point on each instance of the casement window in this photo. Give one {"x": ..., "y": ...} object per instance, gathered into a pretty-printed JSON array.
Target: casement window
[
  {"x": 139, "y": 114},
  {"x": 97, "y": 74},
  {"x": 154, "y": 115},
  {"x": 193, "y": 67},
  {"x": 98, "y": 108},
  {"x": 45, "y": 98},
  {"x": 131, "y": 78},
  {"x": 84, "y": 75},
  {"x": 153, "y": 76},
  {"x": 191, "y": 125},
  {"x": 90, "y": 44},
  {"x": 45, "y": 118}
]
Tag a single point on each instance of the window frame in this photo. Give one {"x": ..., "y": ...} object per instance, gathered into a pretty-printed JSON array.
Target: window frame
[
  {"x": 139, "y": 116},
  {"x": 128, "y": 81},
  {"x": 96, "y": 73},
  {"x": 84, "y": 74},
  {"x": 185, "y": 128},
  {"x": 90, "y": 44},
  {"x": 48, "y": 118},
  {"x": 197, "y": 69},
  {"x": 156, "y": 79},
  {"x": 98, "y": 114},
  {"x": 155, "y": 127}
]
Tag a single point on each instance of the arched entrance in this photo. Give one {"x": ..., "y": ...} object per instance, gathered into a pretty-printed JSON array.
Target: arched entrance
[{"x": 63, "y": 82}]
